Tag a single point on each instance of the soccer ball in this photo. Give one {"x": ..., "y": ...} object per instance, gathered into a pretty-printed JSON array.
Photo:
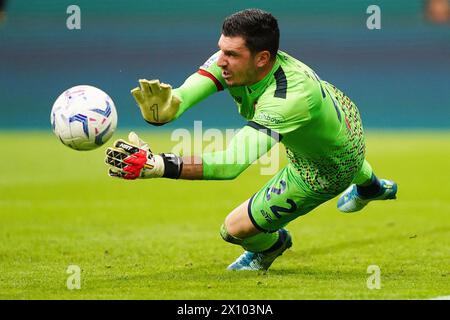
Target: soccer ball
[{"x": 83, "y": 117}]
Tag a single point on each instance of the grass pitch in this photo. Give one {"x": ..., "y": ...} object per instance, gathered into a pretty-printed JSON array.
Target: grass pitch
[{"x": 159, "y": 239}]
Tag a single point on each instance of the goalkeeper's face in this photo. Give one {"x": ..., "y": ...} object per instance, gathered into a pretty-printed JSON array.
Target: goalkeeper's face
[{"x": 239, "y": 66}]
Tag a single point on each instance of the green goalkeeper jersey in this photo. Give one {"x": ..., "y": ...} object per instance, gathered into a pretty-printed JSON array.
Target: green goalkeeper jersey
[{"x": 319, "y": 126}]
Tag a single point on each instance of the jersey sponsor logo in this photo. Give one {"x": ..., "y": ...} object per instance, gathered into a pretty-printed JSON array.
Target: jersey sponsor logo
[
  {"x": 269, "y": 118},
  {"x": 210, "y": 61}
]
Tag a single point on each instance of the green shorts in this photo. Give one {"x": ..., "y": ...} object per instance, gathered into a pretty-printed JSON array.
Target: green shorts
[{"x": 284, "y": 198}]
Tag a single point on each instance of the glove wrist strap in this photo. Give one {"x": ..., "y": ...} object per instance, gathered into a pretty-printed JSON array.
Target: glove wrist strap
[
  {"x": 173, "y": 165},
  {"x": 158, "y": 169}
]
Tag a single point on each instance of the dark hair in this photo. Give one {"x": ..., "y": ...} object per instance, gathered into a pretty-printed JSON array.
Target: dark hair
[{"x": 258, "y": 28}]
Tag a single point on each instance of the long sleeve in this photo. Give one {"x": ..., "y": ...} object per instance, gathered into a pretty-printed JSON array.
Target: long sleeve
[
  {"x": 248, "y": 145},
  {"x": 206, "y": 81},
  {"x": 195, "y": 89}
]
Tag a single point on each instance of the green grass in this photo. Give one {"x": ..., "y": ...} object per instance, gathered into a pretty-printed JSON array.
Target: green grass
[{"x": 159, "y": 239}]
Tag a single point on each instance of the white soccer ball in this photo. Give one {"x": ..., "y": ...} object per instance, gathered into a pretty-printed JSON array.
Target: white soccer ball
[{"x": 83, "y": 117}]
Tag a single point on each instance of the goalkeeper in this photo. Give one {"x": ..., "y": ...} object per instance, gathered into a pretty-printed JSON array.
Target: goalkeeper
[{"x": 284, "y": 101}]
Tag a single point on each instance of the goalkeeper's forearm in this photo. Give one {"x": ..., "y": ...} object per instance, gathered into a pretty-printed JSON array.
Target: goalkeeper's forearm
[
  {"x": 247, "y": 145},
  {"x": 193, "y": 169},
  {"x": 134, "y": 159}
]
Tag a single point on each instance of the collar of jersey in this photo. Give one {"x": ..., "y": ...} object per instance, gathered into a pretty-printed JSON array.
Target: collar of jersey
[{"x": 258, "y": 88}]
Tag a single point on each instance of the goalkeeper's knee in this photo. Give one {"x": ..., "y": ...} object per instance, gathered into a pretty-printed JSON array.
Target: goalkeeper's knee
[{"x": 228, "y": 237}]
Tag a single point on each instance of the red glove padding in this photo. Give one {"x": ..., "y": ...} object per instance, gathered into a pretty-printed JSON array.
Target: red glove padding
[{"x": 135, "y": 164}]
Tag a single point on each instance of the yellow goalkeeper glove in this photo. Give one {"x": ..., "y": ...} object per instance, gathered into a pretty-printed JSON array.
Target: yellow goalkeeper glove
[{"x": 158, "y": 105}]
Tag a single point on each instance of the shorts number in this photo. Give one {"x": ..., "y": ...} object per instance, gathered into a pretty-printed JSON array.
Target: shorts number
[
  {"x": 276, "y": 190},
  {"x": 277, "y": 209}
]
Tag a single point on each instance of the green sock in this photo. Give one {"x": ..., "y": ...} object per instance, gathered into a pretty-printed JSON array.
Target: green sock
[{"x": 260, "y": 242}]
